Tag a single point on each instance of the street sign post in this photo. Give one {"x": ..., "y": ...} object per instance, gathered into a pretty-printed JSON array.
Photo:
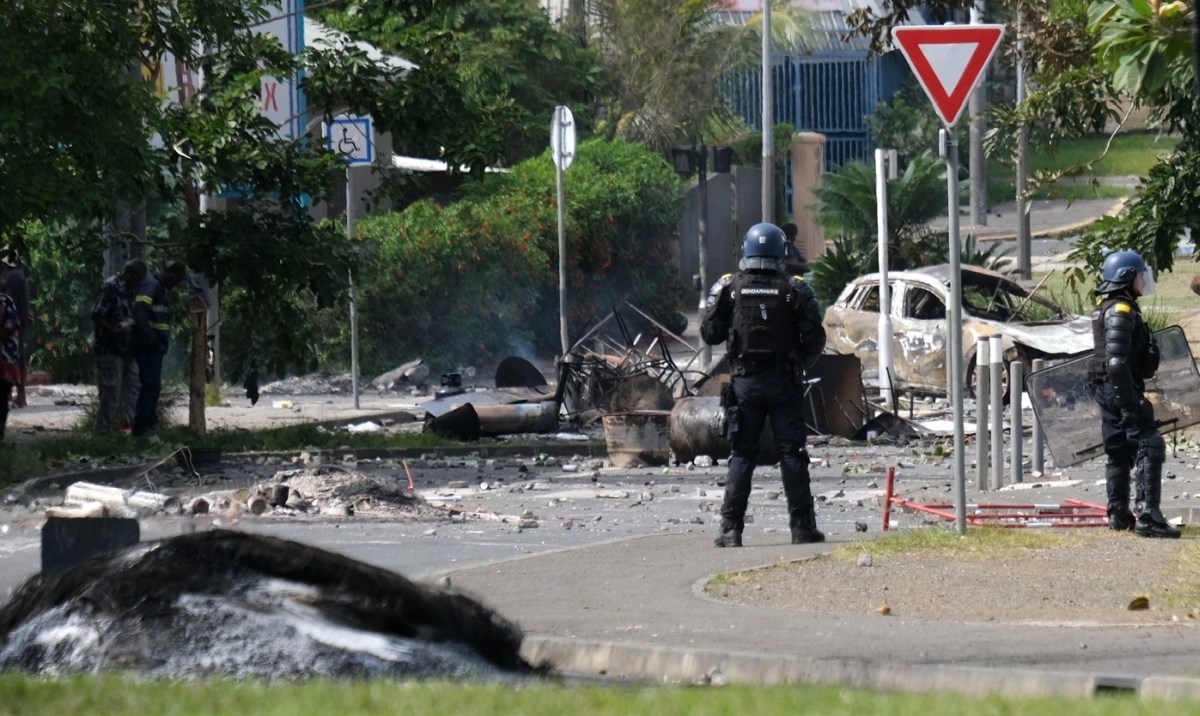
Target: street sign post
[
  {"x": 562, "y": 149},
  {"x": 948, "y": 61},
  {"x": 352, "y": 138}
]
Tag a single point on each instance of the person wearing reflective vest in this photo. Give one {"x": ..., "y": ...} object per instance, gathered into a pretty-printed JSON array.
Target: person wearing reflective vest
[
  {"x": 1124, "y": 355},
  {"x": 771, "y": 323},
  {"x": 149, "y": 340}
]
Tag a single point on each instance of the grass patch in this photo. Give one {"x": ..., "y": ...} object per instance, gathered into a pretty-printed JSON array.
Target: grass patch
[
  {"x": 977, "y": 542},
  {"x": 1173, "y": 296},
  {"x": 1002, "y": 188},
  {"x": 112, "y": 695},
  {"x": 84, "y": 449},
  {"x": 1131, "y": 154}
]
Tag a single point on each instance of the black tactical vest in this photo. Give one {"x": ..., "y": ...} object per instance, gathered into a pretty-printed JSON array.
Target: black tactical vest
[
  {"x": 764, "y": 326},
  {"x": 1143, "y": 362}
]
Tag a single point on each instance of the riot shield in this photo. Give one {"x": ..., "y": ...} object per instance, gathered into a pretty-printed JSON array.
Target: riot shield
[{"x": 1070, "y": 418}]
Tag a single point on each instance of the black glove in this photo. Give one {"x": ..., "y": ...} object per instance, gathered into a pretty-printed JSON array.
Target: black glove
[
  {"x": 1151, "y": 361},
  {"x": 1140, "y": 412}
]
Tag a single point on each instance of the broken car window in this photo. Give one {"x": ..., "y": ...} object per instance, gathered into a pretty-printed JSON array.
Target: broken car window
[
  {"x": 1006, "y": 301},
  {"x": 924, "y": 305}
]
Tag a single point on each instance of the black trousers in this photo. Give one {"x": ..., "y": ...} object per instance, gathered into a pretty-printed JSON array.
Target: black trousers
[
  {"x": 769, "y": 395},
  {"x": 1139, "y": 444}
]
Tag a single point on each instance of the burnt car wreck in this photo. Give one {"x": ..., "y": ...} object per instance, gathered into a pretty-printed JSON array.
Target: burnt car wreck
[{"x": 1030, "y": 325}]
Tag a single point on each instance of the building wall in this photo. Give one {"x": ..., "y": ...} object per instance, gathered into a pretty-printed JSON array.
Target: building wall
[{"x": 734, "y": 205}]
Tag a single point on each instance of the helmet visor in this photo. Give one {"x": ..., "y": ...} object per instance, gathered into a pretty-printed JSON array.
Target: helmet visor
[{"x": 1144, "y": 283}]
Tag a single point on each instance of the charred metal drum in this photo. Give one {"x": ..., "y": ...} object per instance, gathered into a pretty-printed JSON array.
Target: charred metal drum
[
  {"x": 698, "y": 428},
  {"x": 1070, "y": 418},
  {"x": 637, "y": 438}
]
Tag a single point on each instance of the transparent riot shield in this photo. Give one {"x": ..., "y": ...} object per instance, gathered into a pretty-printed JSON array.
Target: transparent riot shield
[{"x": 1070, "y": 418}]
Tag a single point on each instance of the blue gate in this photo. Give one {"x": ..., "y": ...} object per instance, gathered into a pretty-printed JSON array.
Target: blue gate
[{"x": 830, "y": 92}]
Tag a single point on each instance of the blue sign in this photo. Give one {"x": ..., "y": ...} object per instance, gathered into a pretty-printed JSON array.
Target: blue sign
[{"x": 351, "y": 138}]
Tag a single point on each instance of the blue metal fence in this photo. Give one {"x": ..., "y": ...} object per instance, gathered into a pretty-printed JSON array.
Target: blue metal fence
[{"x": 830, "y": 92}]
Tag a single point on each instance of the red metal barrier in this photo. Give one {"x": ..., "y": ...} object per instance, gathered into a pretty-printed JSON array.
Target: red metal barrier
[{"x": 1069, "y": 513}]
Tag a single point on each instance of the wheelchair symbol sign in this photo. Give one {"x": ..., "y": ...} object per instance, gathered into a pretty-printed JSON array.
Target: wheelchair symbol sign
[{"x": 351, "y": 138}]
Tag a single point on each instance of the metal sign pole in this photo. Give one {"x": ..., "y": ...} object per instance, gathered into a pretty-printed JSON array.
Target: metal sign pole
[
  {"x": 885, "y": 295},
  {"x": 562, "y": 250},
  {"x": 702, "y": 248},
  {"x": 954, "y": 353},
  {"x": 353, "y": 298},
  {"x": 562, "y": 148}
]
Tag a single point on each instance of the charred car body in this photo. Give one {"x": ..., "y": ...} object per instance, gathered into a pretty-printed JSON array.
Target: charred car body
[{"x": 1029, "y": 325}]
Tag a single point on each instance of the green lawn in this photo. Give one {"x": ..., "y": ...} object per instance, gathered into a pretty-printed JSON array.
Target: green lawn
[
  {"x": 1131, "y": 155},
  {"x": 111, "y": 695}
]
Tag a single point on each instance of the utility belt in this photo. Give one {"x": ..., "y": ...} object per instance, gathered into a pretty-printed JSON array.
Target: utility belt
[{"x": 754, "y": 366}]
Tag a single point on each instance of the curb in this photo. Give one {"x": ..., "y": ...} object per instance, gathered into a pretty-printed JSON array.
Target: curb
[
  {"x": 1049, "y": 233},
  {"x": 651, "y": 664}
]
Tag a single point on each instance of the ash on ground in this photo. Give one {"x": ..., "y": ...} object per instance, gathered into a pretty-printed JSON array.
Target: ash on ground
[{"x": 231, "y": 604}]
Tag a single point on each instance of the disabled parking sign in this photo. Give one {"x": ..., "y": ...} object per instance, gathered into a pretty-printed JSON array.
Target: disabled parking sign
[{"x": 351, "y": 138}]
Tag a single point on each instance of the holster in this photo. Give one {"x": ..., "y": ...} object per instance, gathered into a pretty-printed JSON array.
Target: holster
[{"x": 729, "y": 404}]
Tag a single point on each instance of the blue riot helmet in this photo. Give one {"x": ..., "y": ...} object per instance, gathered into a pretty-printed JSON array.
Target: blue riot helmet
[
  {"x": 1120, "y": 272},
  {"x": 764, "y": 241},
  {"x": 763, "y": 248}
]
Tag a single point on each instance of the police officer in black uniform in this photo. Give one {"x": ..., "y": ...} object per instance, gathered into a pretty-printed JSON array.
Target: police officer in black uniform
[
  {"x": 1125, "y": 354},
  {"x": 772, "y": 323}
]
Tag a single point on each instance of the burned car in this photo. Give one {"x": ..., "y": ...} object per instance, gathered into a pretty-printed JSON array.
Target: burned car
[{"x": 1031, "y": 326}]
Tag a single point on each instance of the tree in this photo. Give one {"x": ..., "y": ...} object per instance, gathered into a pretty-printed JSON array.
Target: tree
[
  {"x": 72, "y": 110},
  {"x": 490, "y": 73},
  {"x": 666, "y": 61},
  {"x": 111, "y": 137}
]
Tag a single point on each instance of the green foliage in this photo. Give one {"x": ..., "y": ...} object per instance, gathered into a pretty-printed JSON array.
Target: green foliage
[
  {"x": 665, "y": 60},
  {"x": 909, "y": 125},
  {"x": 64, "y": 264},
  {"x": 273, "y": 288},
  {"x": 846, "y": 208},
  {"x": 1141, "y": 42},
  {"x": 489, "y": 74},
  {"x": 71, "y": 130},
  {"x": 1152, "y": 222},
  {"x": 478, "y": 279}
]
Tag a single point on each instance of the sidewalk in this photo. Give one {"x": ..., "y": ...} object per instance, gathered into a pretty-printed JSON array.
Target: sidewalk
[{"x": 1047, "y": 218}]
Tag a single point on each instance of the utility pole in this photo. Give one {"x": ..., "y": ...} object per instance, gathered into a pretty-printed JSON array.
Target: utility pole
[
  {"x": 1024, "y": 238},
  {"x": 768, "y": 121},
  {"x": 976, "y": 107}
]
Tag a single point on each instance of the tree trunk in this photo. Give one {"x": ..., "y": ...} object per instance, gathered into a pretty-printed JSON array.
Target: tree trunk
[{"x": 196, "y": 380}]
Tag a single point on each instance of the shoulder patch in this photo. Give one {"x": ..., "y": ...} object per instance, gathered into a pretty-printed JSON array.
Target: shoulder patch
[{"x": 1121, "y": 307}]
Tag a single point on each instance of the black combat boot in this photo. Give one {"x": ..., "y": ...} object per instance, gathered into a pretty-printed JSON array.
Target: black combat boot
[
  {"x": 731, "y": 535},
  {"x": 1116, "y": 479},
  {"x": 1150, "y": 520},
  {"x": 804, "y": 529}
]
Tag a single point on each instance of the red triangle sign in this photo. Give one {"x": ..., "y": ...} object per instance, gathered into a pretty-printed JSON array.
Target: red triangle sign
[{"x": 948, "y": 61}]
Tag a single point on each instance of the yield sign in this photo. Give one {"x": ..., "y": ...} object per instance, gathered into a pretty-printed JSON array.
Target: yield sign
[{"x": 948, "y": 61}]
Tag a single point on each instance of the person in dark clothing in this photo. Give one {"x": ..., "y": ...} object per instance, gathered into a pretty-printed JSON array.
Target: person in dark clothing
[
  {"x": 793, "y": 258},
  {"x": 116, "y": 370},
  {"x": 772, "y": 325},
  {"x": 16, "y": 286},
  {"x": 10, "y": 356},
  {"x": 1124, "y": 355},
  {"x": 149, "y": 340}
]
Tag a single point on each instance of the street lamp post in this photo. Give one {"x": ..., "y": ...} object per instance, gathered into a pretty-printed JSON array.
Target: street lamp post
[{"x": 694, "y": 159}]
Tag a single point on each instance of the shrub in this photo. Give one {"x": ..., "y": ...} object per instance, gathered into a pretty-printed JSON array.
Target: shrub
[
  {"x": 64, "y": 265},
  {"x": 478, "y": 279}
]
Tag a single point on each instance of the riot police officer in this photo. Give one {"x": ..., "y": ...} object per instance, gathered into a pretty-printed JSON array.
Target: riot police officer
[
  {"x": 772, "y": 323},
  {"x": 1124, "y": 355}
]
